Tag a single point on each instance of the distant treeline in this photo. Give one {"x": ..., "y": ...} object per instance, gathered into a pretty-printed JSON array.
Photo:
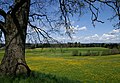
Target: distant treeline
[
  {"x": 76, "y": 44},
  {"x": 70, "y": 45}
]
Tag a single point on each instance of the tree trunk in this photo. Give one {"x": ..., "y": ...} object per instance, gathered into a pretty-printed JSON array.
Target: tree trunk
[{"x": 13, "y": 61}]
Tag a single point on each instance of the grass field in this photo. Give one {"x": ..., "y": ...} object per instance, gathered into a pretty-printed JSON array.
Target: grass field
[{"x": 56, "y": 63}]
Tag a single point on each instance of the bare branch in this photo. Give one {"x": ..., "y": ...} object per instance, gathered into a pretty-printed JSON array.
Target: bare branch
[
  {"x": 115, "y": 5},
  {"x": 65, "y": 17},
  {"x": 2, "y": 26},
  {"x": 17, "y": 6},
  {"x": 39, "y": 16},
  {"x": 35, "y": 14},
  {"x": 3, "y": 13},
  {"x": 95, "y": 13},
  {"x": 43, "y": 33}
]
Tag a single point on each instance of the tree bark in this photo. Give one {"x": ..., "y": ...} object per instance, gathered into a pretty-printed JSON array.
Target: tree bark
[{"x": 15, "y": 28}]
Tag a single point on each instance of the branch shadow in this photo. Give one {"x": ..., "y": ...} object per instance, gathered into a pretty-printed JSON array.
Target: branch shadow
[{"x": 36, "y": 77}]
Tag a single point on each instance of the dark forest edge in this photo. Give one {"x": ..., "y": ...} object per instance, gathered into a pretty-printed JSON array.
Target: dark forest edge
[
  {"x": 69, "y": 45},
  {"x": 72, "y": 45}
]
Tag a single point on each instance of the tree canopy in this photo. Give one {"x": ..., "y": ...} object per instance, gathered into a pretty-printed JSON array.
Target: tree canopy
[{"x": 48, "y": 16}]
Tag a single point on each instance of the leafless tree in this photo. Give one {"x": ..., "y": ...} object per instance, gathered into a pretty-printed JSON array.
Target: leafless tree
[{"x": 43, "y": 16}]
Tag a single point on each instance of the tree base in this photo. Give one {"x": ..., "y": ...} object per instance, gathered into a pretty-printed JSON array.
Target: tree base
[{"x": 18, "y": 69}]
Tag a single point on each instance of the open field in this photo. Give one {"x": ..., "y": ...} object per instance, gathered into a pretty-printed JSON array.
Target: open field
[{"x": 60, "y": 63}]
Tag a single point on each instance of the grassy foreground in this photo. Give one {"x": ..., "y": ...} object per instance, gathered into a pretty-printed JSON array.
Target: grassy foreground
[{"x": 58, "y": 66}]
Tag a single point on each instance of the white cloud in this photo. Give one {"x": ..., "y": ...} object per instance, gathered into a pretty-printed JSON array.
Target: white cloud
[
  {"x": 77, "y": 28},
  {"x": 106, "y": 37},
  {"x": 82, "y": 28},
  {"x": 115, "y": 31},
  {"x": 95, "y": 38},
  {"x": 74, "y": 37}
]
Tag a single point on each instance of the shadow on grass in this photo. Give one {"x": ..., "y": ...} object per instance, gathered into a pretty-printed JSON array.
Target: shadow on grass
[{"x": 36, "y": 77}]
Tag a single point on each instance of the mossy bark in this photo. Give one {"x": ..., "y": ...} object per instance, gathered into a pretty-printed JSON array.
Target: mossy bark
[{"x": 15, "y": 28}]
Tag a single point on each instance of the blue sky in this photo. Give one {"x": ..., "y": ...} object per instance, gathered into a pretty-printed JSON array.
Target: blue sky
[{"x": 84, "y": 31}]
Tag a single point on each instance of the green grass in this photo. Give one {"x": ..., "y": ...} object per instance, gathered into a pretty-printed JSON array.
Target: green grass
[
  {"x": 58, "y": 52},
  {"x": 58, "y": 64},
  {"x": 36, "y": 77}
]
